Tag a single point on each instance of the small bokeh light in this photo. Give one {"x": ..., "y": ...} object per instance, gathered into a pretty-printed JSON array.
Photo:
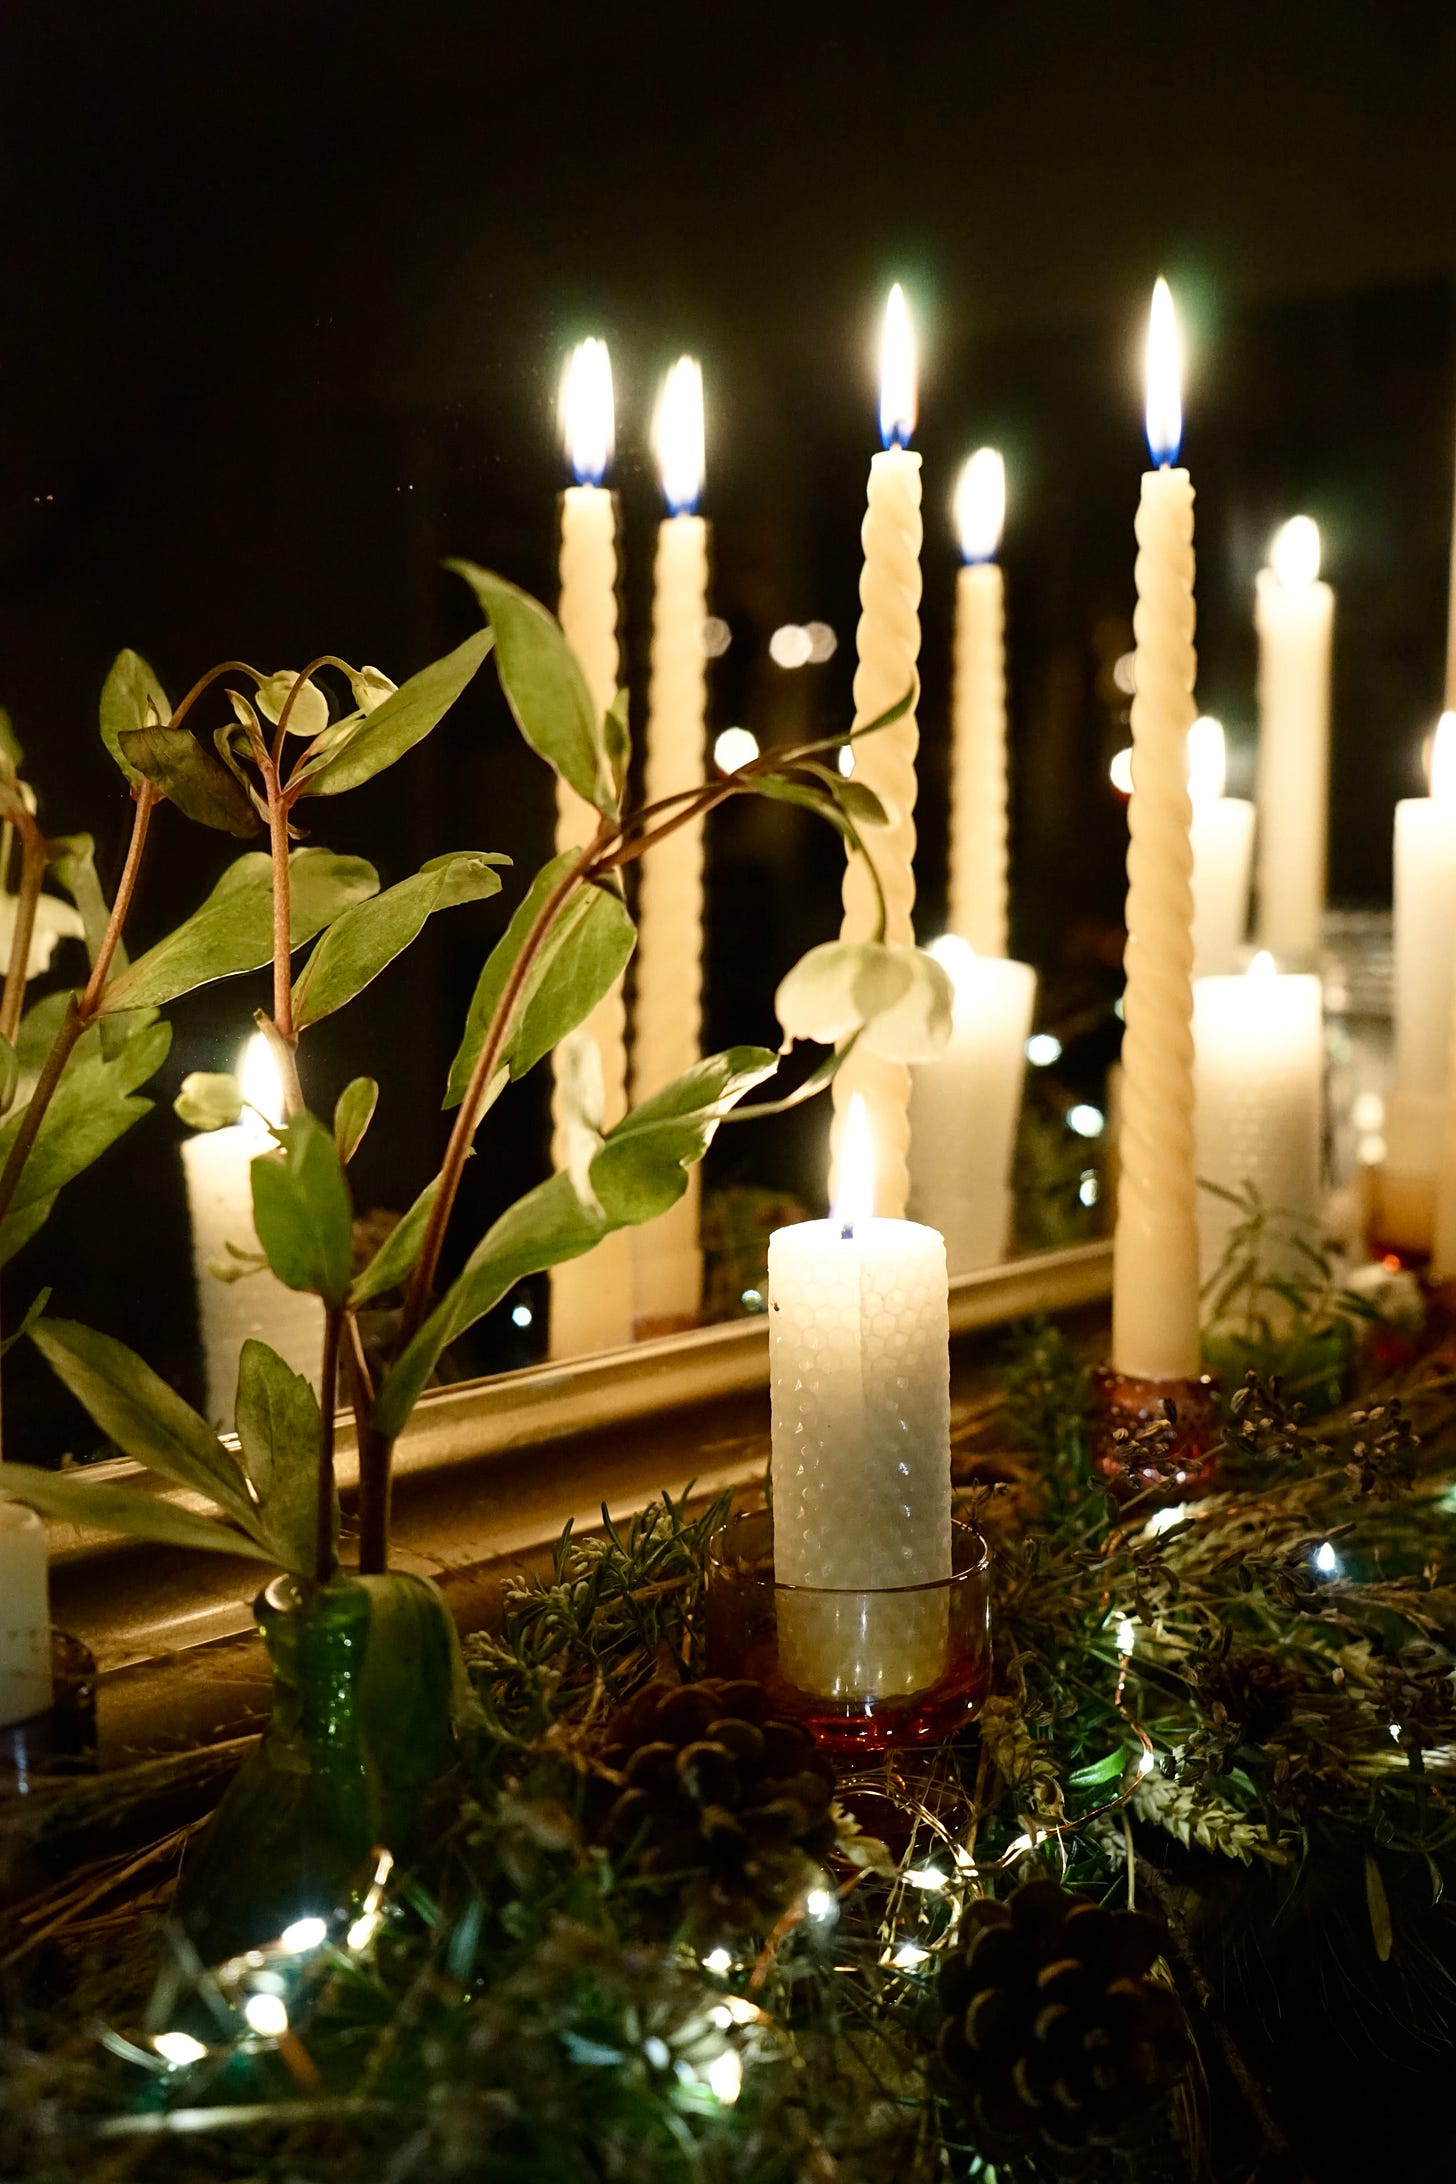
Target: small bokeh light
[
  {"x": 714, "y": 638},
  {"x": 734, "y": 748},
  {"x": 791, "y": 646}
]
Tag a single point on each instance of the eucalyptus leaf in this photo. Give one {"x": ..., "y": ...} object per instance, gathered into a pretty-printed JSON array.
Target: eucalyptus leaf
[
  {"x": 301, "y": 1210},
  {"x": 131, "y": 697},
  {"x": 581, "y": 959},
  {"x": 210, "y": 1099},
  {"x": 545, "y": 688},
  {"x": 353, "y": 1113},
  {"x": 72, "y": 1498},
  {"x": 391, "y": 1263},
  {"x": 33, "y": 1312},
  {"x": 38, "y": 1028},
  {"x": 73, "y": 861},
  {"x": 400, "y": 722},
  {"x": 191, "y": 777},
  {"x": 414, "y": 1684},
  {"x": 137, "y": 1410},
  {"x": 617, "y": 740},
  {"x": 639, "y": 1172},
  {"x": 280, "y": 1432},
  {"x": 358, "y": 946},
  {"x": 93, "y": 1106},
  {"x": 232, "y": 932}
]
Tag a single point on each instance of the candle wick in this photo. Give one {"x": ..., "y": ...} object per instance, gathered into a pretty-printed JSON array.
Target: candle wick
[{"x": 846, "y": 1234}]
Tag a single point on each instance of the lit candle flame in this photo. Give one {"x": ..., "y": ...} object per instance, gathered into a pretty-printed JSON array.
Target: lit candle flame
[
  {"x": 1207, "y": 759},
  {"x": 897, "y": 373},
  {"x": 980, "y": 504},
  {"x": 1262, "y": 968},
  {"x": 854, "y": 1197},
  {"x": 1443, "y": 760},
  {"x": 677, "y": 435},
  {"x": 1295, "y": 554},
  {"x": 262, "y": 1086},
  {"x": 956, "y": 957},
  {"x": 1164, "y": 408},
  {"x": 587, "y": 417}
]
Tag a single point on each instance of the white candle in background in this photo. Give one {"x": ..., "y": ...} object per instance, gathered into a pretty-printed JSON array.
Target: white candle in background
[
  {"x": 217, "y": 1165},
  {"x": 1294, "y": 614},
  {"x": 25, "y": 1619},
  {"x": 1425, "y": 962},
  {"x": 1258, "y": 1043},
  {"x": 1155, "y": 1309},
  {"x": 978, "y": 793},
  {"x": 889, "y": 646},
  {"x": 859, "y": 1350},
  {"x": 667, "y": 1263},
  {"x": 591, "y": 1297},
  {"x": 1223, "y": 850},
  {"x": 965, "y": 1106}
]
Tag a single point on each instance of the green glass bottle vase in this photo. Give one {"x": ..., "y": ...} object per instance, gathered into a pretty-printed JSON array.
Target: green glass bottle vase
[{"x": 366, "y": 1671}]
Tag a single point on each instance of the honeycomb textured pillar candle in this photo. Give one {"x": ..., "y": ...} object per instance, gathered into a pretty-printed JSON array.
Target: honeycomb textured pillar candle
[
  {"x": 1294, "y": 614},
  {"x": 978, "y": 795},
  {"x": 889, "y": 646},
  {"x": 1155, "y": 1333},
  {"x": 667, "y": 1263},
  {"x": 860, "y": 1383},
  {"x": 591, "y": 1298}
]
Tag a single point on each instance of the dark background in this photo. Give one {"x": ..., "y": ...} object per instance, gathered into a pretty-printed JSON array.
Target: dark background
[{"x": 286, "y": 293}]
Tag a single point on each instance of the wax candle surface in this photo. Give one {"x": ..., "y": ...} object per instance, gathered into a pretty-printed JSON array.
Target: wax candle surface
[
  {"x": 591, "y": 1297},
  {"x": 25, "y": 1621},
  {"x": 978, "y": 787},
  {"x": 667, "y": 1006},
  {"x": 1155, "y": 1314},
  {"x": 1223, "y": 849},
  {"x": 965, "y": 1106},
  {"x": 860, "y": 1384},
  {"x": 1425, "y": 965},
  {"x": 1294, "y": 615},
  {"x": 1259, "y": 1075},
  {"x": 217, "y": 1166},
  {"x": 889, "y": 646}
]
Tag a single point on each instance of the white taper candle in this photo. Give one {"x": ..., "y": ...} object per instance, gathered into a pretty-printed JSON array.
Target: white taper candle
[
  {"x": 978, "y": 788},
  {"x": 889, "y": 645},
  {"x": 1155, "y": 1330},
  {"x": 1294, "y": 615}
]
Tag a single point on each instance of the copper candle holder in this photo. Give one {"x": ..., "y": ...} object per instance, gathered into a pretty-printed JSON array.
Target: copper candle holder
[
  {"x": 1133, "y": 1457},
  {"x": 757, "y": 1627}
]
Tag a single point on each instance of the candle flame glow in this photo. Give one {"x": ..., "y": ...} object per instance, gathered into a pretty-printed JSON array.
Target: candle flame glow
[
  {"x": 956, "y": 957},
  {"x": 1119, "y": 770},
  {"x": 1207, "y": 759},
  {"x": 1443, "y": 760},
  {"x": 980, "y": 504},
  {"x": 677, "y": 435},
  {"x": 587, "y": 416},
  {"x": 1262, "y": 968},
  {"x": 1164, "y": 384},
  {"x": 262, "y": 1085},
  {"x": 854, "y": 1197},
  {"x": 1295, "y": 554},
  {"x": 897, "y": 373}
]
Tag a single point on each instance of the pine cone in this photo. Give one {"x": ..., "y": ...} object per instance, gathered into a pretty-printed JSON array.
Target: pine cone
[
  {"x": 1055, "y": 2041},
  {"x": 726, "y": 1808},
  {"x": 1256, "y": 1691}
]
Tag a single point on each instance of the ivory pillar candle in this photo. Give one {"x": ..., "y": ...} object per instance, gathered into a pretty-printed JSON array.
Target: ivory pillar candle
[
  {"x": 217, "y": 1166},
  {"x": 25, "y": 1618},
  {"x": 1155, "y": 1321},
  {"x": 978, "y": 794},
  {"x": 859, "y": 1363},
  {"x": 1425, "y": 963},
  {"x": 591, "y": 1297},
  {"x": 888, "y": 641},
  {"x": 965, "y": 1106},
  {"x": 1258, "y": 1043},
  {"x": 1294, "y": 615},
  {"x": 667, "y": 1262},
  {"x": 1223, "y": 850}
]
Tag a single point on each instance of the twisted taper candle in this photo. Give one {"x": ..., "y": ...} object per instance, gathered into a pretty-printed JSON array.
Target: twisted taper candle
[
  {"x": 889, "y": 646},
  {"x": 591, "y": 1307},
  {"x": 1155, "y": 1333},
  {"x": 978, "y": 821},
  {"x": 667, "y": 1010}
]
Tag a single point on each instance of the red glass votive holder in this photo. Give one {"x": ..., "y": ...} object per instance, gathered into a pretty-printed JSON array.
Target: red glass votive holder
[
  {"x": 937, "y": 1636},
  {"x": 1178, "y": 1463}
]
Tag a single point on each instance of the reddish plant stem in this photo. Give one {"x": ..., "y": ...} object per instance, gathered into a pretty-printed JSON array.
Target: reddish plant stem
[
  {"x": 324, "y": 1559},
  {"x": 374, "y": 1464},
  {"x": 286, "y": 1043},
  {"x": 32, "y": 872},
  {"x": 82, "y": 1011}
]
